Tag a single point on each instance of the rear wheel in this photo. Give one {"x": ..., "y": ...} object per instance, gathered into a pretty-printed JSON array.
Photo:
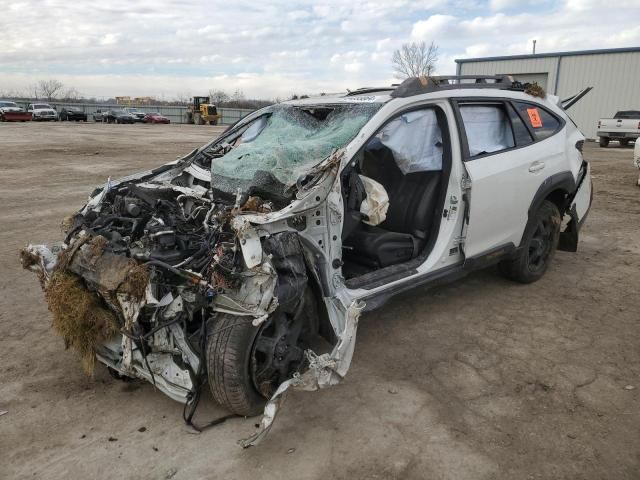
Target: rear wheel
[
  {"x": 538, "y": 246},
  {"x": 624, "y": 142},
  {"x": 604, "y": 141},
  {"x": 246, "y": 364}
]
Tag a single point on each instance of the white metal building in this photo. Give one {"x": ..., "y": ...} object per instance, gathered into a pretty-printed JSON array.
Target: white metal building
[{"x": 614, "y": 75}]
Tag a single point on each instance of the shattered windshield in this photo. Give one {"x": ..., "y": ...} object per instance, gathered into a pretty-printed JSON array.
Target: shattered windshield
[{"x": 288, "y": 140}]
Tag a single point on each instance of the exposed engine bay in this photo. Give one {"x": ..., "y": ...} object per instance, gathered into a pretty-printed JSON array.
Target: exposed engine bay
[{"x": 160, "y": 273}]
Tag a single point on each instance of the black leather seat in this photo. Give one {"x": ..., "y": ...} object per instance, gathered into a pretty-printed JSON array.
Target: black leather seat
[{"x": 412, "y": 202}]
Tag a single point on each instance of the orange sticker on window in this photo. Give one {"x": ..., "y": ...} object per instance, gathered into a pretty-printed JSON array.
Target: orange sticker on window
[{"x": 534, "y": 117}]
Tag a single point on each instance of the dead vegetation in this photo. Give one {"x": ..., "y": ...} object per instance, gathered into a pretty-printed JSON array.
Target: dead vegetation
[
  {"x": 78, "y": 316},
  {"x": 97, "y": 245},
  {"x": 28, "y": 259},
  {"x": 535, "y": 90},
  {"x": 136, "y": 282}
]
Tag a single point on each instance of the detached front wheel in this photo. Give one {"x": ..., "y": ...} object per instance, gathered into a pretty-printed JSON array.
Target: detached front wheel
[
  {"x": 246, "y": 364},
  {"x": 538, "y": 246}
]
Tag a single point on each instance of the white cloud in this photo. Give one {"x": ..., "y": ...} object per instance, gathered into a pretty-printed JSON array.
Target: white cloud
[
  {"x": 498, "y": 5},
  {"x": 109, "y": 39},
  {"x": 278, "y": 47},
  {"x": 432, "y": 27},
  {"x": 353, "y": 67}
]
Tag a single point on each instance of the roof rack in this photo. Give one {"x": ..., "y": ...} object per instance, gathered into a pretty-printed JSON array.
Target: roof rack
[
  {"x": 418, "y": 85},
  {"x": 365, "y": 90}
]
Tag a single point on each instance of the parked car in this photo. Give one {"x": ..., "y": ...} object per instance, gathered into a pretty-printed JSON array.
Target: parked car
[
  {"x": 42, "y": 112},
  {"x": 155, "y": 118},
  {"x": 98, "y": 115},
  {"x": 636, "y": 158},
  {"x": 72, "y": 113},
  {"x": 138, "y": 115},
  {"x": 118, "y": 116},
  {"x": 249, "y": 261},
  {"x": 624, "y": 127},
  {"x": 11, "y": 112},
  {"x": 9, "y": 106}
]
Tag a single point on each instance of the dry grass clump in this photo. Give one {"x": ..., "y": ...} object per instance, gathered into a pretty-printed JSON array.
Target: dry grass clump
[
  {"x": 78, "y": 316},
  {"x": 67, "y": 223},
  {"x": 136, "y": 282},
  {"x": 97, "y": 245},
  {"x": 535, "y": 90},
  {"x": 28, "y": 259}
]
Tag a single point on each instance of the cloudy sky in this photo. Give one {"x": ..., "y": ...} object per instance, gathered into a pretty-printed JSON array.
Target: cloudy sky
[{"x": 274, "y": 48}]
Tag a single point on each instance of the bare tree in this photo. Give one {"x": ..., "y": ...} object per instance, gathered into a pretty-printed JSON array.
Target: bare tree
[
  {"x": 50, "y": 88},
  {"x": 71, "y": 94},
  {"x": 183, "y": 98},
  {"x": 415, "y": 59},
  {"x": 32, "y": 91},
  {"x": 219, "y": 97},
  {"x": 238, "y": 95}
]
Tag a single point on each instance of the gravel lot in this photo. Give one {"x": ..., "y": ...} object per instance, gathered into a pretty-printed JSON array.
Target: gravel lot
[{"x": 482, "y": 379}]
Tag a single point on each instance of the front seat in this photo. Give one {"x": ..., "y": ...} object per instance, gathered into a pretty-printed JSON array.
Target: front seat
[{"x": 412, "y": 202}]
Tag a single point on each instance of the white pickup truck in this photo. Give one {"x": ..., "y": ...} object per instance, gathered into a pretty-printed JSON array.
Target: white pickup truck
[{"x": 624, "y": 127}]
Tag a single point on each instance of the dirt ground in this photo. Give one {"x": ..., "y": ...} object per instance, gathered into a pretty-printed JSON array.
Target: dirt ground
[{"x": 482, "y": 379}]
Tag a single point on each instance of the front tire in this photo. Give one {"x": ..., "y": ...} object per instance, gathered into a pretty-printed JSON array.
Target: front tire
[
  {"x": 538, "y": 246},
  {"x": 246, "y": 364}
]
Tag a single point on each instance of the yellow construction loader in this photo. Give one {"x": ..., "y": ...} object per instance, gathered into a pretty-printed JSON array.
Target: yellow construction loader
[{"x": 202, "y": 112}]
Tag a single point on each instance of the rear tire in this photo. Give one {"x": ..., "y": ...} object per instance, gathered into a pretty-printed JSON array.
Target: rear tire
[
  {"x": 538, "y": 247},
  {"x": 604, "y": 141},
  {"x": 624, "y": 142}
]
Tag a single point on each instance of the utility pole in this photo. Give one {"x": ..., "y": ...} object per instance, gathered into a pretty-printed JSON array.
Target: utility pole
[{"x": 534, "y": 47}]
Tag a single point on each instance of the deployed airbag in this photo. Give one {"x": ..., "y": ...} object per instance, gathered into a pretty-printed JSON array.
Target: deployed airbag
[
  {"x": 376, "y": 203},
  {"x": 415, "y": 140},
  {"x": 487, "y": 129}
]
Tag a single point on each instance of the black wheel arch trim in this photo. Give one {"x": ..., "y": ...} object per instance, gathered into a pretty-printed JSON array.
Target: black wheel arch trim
[{"x": 563, "y": 181}]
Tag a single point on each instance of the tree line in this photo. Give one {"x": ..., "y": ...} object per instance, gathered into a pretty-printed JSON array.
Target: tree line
[{"x": 415, "y": 59}]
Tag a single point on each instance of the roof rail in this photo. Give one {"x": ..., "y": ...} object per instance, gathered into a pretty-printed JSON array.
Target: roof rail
[
  {"x": 365, "y": 90},
  {"x": 417, "y": 85}
]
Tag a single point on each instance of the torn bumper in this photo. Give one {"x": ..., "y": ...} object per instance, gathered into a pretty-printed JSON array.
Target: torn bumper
[{"x": 579, "y": 206}]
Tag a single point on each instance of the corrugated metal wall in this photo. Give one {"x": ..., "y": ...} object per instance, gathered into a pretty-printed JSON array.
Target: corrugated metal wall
[
  {"x": 615, "y": 78},
  {"x": 513, "y": 67}
]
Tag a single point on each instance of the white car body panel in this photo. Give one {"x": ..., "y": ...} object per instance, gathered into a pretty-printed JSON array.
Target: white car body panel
[{"x": 496, "y": 190}]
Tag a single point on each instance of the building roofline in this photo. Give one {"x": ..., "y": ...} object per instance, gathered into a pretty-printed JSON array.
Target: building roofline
[{"x": 552, "y": 54}]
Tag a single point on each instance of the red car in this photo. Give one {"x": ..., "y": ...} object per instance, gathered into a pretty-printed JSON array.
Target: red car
[{"x": 155, "y": 118}]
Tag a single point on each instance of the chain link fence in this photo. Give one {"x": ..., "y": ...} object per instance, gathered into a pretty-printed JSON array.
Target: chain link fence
[{"x": 177, "y": 114}]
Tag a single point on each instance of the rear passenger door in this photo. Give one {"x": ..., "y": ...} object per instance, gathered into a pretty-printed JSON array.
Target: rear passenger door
[{"x": 506, "y": 163}]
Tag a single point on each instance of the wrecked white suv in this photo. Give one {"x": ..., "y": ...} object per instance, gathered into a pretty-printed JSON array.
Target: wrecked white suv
[{"x": 248, "y": 262}]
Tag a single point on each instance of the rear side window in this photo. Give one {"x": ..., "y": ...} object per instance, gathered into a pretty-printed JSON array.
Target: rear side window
[
  {"x": 487, "y": 128},
  {"x": 542, "y": 123},
  {"x": 520, "y": 131}
]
